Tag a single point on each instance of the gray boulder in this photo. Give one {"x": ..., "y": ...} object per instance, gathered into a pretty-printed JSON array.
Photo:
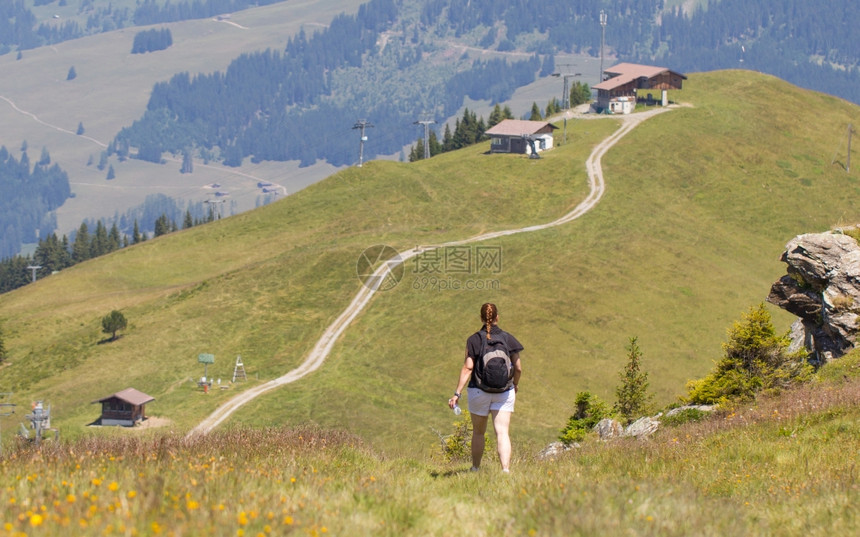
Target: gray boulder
[
  {"x": 555, "y": 449},
  {"x": 642, "y": 427},
  {"x": 608, "y": 428},
  {"x": 821, "y": 287}
]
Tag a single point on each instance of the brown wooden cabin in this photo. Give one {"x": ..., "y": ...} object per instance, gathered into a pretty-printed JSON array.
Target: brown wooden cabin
[{"x": 125, "y": 408}]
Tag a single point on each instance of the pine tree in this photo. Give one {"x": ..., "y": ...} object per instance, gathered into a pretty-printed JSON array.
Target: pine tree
[
  {"x": 135, "y": 236},
  {"x": 632, "y": 394},
  {"x": 495, "y": 116},
  {"x": 114, "y": 240},
  {"x": 80, "y": 129},
  {"x": 162, "y": 225},
  {"x": 416, "y": 152},
  {"x": 72, "y": 73},
  {"x": 111, "y": 174},
  {"x": 188, "y": 222},
  {"x": 447, "y": 139},
  {"x": 100, "y": 240},
  {"x": 81, "y": 249},
  {"x": 535, "y": 114},
  {"x": 580, "y": 93},
  {"x": 187, "y": 162}
]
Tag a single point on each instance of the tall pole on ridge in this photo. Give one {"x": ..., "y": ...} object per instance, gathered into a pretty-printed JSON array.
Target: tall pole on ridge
[
  {"x": 426, "y": 123},
  {"x": 361, "y": 124},
  {"x": 34, "y": 268},
  {"x": 602, "y": 41}
]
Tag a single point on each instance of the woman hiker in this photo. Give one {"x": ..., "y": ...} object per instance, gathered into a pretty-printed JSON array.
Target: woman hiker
[{"x": 489, "y": 396}]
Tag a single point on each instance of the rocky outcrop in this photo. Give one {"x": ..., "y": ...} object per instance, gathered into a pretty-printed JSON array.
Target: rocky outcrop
[
  {"x": 608, "y": 429},
  {"x": 555, "y": 449},
  {"x": 822, "y": 288}
]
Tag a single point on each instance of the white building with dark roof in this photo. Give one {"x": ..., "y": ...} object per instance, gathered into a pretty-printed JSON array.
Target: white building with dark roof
[{"x": 514, "y": 135}]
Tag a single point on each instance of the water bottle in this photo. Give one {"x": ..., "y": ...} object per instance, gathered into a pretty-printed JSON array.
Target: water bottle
[{"x": 457, "y": 410}]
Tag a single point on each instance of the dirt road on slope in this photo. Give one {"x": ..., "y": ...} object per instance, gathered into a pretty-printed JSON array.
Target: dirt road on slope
[{"x": 323, "y": 347}]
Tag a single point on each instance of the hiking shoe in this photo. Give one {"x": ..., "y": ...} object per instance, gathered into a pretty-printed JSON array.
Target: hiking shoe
[{"x": 473, "y": 469}]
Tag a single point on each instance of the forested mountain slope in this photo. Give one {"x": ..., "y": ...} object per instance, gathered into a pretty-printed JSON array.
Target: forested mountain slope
[{"x": 295, "y": 98}]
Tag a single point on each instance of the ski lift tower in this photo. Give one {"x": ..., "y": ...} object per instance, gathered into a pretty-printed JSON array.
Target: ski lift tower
[
  {"x": 361, "y": 124},
  {"x": 40, "y": 419},
  {"x": 34, "y": 268}
]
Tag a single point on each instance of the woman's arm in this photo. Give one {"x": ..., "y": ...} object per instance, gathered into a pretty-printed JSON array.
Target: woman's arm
[
  {"x": 518, "y": 369},
  {"x": 465, "y": 375}
]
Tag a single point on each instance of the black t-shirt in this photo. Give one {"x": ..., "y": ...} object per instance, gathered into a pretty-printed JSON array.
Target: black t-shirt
[{"x": 474, "y": 346}]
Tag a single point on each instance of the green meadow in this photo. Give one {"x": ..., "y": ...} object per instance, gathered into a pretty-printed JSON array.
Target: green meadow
[
  {"x": 783, "y": 466},
  {"x": 699, "y": 204}
]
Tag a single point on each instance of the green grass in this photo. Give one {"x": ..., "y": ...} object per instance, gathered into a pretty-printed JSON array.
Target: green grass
[
  {"x": 779, "y": 467},
  {"x": 687, "y": 237}
]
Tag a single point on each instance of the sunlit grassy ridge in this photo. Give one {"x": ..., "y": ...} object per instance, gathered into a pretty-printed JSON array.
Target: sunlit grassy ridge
[
  {"x": 699, "y": 203},
  {"x": 782, "y": 466}
]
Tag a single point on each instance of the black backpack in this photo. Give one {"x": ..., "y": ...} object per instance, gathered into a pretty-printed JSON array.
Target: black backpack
[{"x": 493, "y": 373}]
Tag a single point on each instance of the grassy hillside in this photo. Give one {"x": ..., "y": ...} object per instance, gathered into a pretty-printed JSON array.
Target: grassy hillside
[
  {"x": 699, "y": 204},
  {"x": 781, "y": 467}
]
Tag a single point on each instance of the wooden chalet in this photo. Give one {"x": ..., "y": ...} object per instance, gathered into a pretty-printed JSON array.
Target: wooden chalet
[
  {"x": 124, "y": 408},
  {"x": 513, "y": 135},
  {"x": 617, "y": 94}
]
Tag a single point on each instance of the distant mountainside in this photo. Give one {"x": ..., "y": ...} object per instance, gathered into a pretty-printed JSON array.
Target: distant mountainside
[
  {"x": 388, "y": 62},
  {"x": 267, "y": 103}
]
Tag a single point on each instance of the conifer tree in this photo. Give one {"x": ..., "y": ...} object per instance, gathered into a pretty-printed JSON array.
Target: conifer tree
[
  {"x": 162, "y": 225},
  {"x": 187, "y": 162},
  {"x": 100, "y": 240},
  {"x": 81, "y": 249},
  {"x": 447, "y": 139},
  {"x": 495, "y": 116},
  {"x": 632, "y": 394},
  {"x": 535, "y": 114},
  {"x": 188, "y": 222},
  {"x": 114, "y": 240},
  {"x": 135, "y": 236}
]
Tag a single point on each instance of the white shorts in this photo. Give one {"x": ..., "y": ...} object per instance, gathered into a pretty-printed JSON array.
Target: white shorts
[{"x": 481, "y": 402}]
